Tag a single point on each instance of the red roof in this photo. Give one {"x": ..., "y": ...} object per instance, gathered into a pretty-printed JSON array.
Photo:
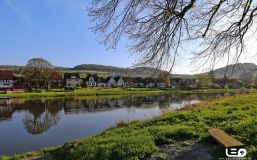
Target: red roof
[{"x": 6, "y": 75}]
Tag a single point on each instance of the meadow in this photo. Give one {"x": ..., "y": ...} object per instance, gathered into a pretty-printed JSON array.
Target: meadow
[{"x": 95, "y": 91}]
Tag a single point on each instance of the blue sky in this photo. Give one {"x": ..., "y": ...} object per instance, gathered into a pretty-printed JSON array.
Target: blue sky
[{"x": 57, "y": 30}]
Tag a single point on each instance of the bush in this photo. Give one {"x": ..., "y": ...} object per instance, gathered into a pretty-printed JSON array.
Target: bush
[{"x": 226, "y": 89}]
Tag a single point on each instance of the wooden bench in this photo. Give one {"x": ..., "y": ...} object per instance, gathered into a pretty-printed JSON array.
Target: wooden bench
[{"x": 223, "y": 138}]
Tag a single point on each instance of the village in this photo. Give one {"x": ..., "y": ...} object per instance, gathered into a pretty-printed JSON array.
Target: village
[
  {"x": 9, "y": 82},
  {"x": 70, "y": 81}
]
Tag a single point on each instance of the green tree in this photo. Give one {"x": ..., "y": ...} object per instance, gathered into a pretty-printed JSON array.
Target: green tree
[
  {"x": 226, "y": 89},
  {"x": 204, "y": 81}
]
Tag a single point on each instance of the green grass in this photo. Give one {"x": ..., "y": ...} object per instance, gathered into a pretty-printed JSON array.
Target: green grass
[
  {"x": 111, "y": 91},
  {"x": 236, "y": 115},
  {"x": 91, "y": 92}
]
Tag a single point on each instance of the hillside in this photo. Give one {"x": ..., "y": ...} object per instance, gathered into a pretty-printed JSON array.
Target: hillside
[
  {"x": 97, "y": 69},
  {"x": 133, "y": 72},
  {"x": 15, "y": 69},
  {"x": 234, "y": 71}
]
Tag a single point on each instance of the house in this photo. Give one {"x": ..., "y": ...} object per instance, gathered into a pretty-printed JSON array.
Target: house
[
  {"x": 101, "y": 82},
  {"x": 6, "y": 80},
  {"x": 111, "y": 82},
  {"x": 57, "y": 81},
  {"x": 160, "y": 84},
  {"x": 120, "y": 82},
  {"x": 128, "y": 81},
  {"x": 72, "y": 79},
  {"x": 150, "y": 82},
  {"x": 91, "y": 80},
  {"x": 138, "y": 82},
  {"x": 19, "y": 82}
]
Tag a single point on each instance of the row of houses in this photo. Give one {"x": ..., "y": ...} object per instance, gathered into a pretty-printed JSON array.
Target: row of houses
[
  {"x": 8, "y": 81},
  {"x": 74, "y": 80}
]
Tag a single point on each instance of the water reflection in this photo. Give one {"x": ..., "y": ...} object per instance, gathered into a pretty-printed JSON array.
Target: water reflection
[
  {"x": 53, "y": 121},
  {"x": 41, "y": 114}
]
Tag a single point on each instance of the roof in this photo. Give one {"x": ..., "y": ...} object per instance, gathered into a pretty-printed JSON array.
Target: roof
[
  {"x": 102, "y": 80},
  {"x": 94, "y": 76},
  {"x": 117, "y": 78},
  {"x": 69, "y": 75},
  {"x": 6, "y": 75},
  {"x": 150, "y": 80},
  {"x": 138, "y": 80}
]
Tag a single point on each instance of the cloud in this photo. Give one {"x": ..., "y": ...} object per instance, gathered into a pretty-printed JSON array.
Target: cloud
[{"x": 21, "y": 13}]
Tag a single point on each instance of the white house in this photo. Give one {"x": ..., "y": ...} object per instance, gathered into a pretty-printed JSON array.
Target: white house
[
  {"x": 111, "y": 82},
  {"x": 72, "y": 79},
  {"x": 6, "y": 80},
  {"x": 91, "y": 80},
  {"x": 120, "y": 81}
]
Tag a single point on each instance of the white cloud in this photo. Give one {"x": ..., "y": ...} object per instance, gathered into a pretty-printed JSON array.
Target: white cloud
[{"x": 21, "y": 13}]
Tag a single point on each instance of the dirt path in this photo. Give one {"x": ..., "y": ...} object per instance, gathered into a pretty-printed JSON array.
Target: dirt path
[{"x": 186, "y": 150}]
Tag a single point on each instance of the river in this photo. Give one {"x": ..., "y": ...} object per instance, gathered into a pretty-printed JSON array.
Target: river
[{"x": 32, "y": 124}]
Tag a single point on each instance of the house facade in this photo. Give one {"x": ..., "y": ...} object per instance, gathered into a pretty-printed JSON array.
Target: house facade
[
  {"x": 149, "y": 82},
  {"x": 101, "y": 82},
  {"x": 6, "y": 80},
  {"x": 57, "y": 81},
  {"x": 120, "y": 81},
  {"x": 111, "y": 82},
  {"x": 91, "y": 80},
  {"x": 72, "y": 79}
]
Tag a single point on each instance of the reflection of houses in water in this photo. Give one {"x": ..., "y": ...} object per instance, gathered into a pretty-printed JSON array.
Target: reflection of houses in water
[
  {"x": 5, "y": 112},
  {"x": 41, "y": 114}
]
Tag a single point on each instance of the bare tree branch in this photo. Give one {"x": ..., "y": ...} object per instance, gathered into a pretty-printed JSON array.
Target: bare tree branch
[{"x": 158, "y": 30}]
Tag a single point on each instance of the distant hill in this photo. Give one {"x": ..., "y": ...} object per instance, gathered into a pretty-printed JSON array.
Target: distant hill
[
  {"x": 97, "y": 69},
  {"x": 11, "y": 67},
  {"x": 133, "y": 72},
  {"x": 234, "y": 71}
]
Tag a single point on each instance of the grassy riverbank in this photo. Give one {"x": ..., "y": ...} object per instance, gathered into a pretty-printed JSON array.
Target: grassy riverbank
[
  {"x": 236, "y": 115},
  {"x": 110, "y": 91},
  {"x": 87, "y": 92}
]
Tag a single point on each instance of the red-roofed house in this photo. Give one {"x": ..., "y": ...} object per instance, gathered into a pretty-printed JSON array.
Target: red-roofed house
[{"x": 6, "y": 80}]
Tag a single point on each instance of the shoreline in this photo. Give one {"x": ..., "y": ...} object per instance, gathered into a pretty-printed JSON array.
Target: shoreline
[{"x": 114, "y": 91}]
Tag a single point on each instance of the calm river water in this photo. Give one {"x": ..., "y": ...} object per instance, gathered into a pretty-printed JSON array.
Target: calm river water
[{"x": 27, "y": 124}]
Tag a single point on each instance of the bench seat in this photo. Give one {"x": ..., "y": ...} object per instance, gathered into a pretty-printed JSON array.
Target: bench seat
[{"x": 223, "y": 138}]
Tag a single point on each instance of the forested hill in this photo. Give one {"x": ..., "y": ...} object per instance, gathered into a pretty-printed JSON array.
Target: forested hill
[
  {"x": 101, "y": 69},
  {"x": 138, "y": 71},
  {"x": 235, "y": 71}
]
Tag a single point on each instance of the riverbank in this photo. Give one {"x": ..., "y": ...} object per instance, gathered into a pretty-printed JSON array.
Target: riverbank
[
  {"x": 236, "y": 115},
  {"x": 113, "y": 91}
]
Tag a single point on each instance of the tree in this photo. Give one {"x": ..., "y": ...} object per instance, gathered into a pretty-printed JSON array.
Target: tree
[
  {"x": 38, "y": 125},
  {"x": 204, "y": 81},
  {"x": 165, "y": 78},
  {"x": 39, "y": 71},
  {"x": 160, "y": 29}
]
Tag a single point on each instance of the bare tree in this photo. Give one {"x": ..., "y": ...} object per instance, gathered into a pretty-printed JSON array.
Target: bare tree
[
  {"x": 40, "y": 71},
  {"x": 161, "y": 29}
]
